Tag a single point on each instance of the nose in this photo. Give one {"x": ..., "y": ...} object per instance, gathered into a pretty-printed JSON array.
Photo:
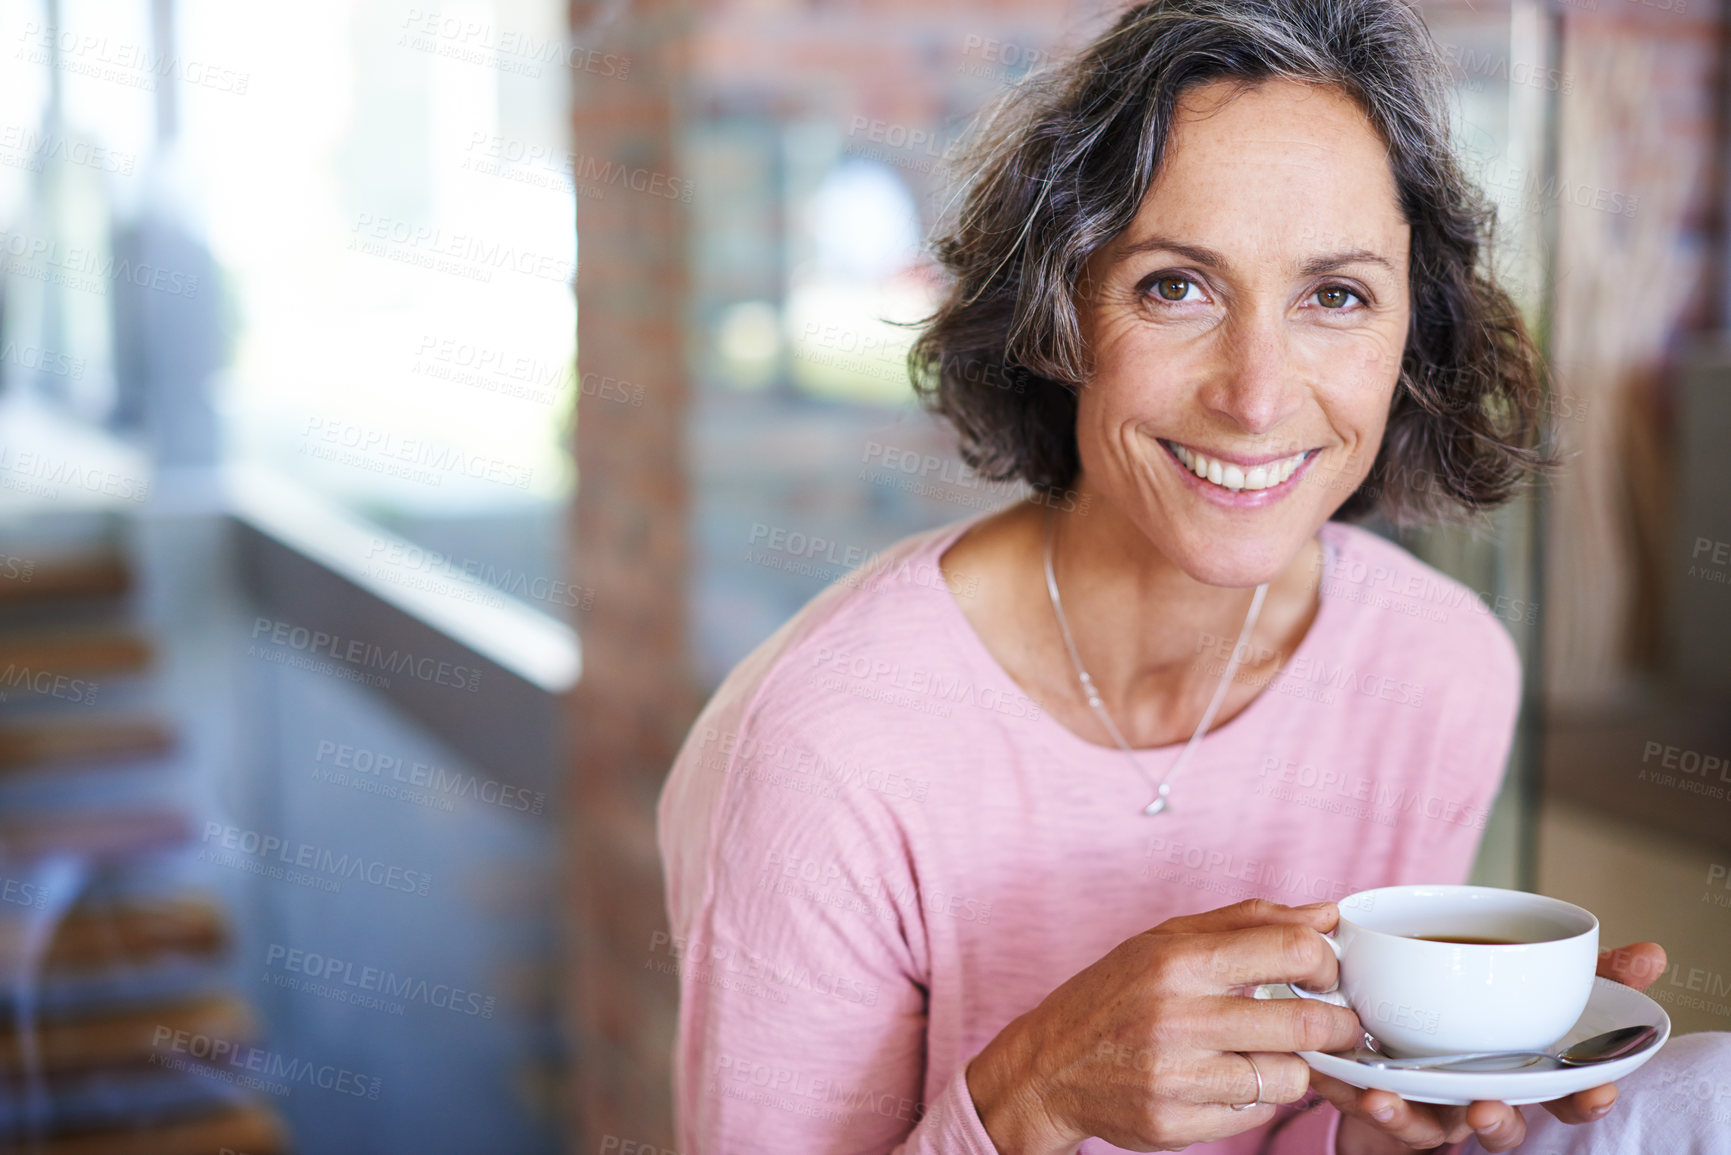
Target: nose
[{"x": 1256, "y": 384}]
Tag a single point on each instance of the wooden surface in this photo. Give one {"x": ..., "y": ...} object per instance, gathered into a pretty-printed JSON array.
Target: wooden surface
[
  {"x": 56, "y": 578},
  {"x": 123, "y": 1038},
  {"x": 127, "y": 934},
  {"x": 76, "y": 652},
  {"x": 104, "y": 836},
  {"x": 97, "y": 739},
  {"x": 246, "y": 1131}
]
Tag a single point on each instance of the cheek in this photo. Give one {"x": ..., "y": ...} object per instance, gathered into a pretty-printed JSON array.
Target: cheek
[
  {"x": 1109, "y": 412},
  {"x": 1364, "y": 356},
  {"x": 1356, "y": 375},
  {"x": 1358, "y": 413},
  {"x": 1138, "y": 369},
  {"x": 1099, "y": 412},
  {"x": 1120, "y": 391}
]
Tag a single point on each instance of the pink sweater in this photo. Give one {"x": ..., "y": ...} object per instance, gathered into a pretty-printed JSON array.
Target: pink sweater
[{"x": 879, "y": 851}]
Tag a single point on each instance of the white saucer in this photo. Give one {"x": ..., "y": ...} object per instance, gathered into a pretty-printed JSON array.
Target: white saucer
[{"x": 1611, "y": 1005}]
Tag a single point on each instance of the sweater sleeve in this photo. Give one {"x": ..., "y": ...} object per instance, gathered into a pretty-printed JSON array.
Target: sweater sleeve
[{"x": 802, "y": 972}]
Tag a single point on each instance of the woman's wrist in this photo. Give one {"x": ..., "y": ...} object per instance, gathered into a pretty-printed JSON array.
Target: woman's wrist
[{"x": 1009, "y": 1103}]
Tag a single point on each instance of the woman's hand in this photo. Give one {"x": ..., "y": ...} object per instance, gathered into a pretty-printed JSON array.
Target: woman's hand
[
  {"x": 1380, "y": 1122},
  {"x": 1138, "y": 1049}
]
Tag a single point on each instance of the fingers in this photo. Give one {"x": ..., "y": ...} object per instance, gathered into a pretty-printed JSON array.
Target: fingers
[
  {"x": 1584, "y": 1106},
  {"x": 1195, "y": 1101},
  {"x": 1230, "y": 1079},
  {"x": 1498, "y": 1126},
  {"x": 1232, "y": 1023},
  {"x": 1207, "y": 1122},
  {"x": 1285, "y": 952},
  {"x": 1253, "y": 912},
  {"x": 1232, "y": 1084},
  {"x": 1636, "y": 965},
  {"x": 1417, "y": 1125}
]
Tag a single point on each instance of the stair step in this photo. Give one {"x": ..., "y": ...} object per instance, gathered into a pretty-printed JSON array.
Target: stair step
[
  {"x": 128, "y": 933},
  {"x": 244, "y": 1131},
  {"x": 70, "y": 653},
  {"x": 126, "y": 1037},
  {"x": 62, "y": 577},
  {"x": 114, "y": 1098},
  {"x": 100, "y": 836},
  {"x": 83, "y": 740}
]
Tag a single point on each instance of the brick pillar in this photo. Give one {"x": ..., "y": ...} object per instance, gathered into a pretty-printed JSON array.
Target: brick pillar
[{"x": 635, "y": 700}]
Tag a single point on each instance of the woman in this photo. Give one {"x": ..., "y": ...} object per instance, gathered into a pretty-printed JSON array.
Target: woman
[{"x": 992, "y": 872}]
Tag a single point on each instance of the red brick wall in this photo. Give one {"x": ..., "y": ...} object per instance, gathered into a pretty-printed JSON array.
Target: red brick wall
[{"x": 634, "y": 701}]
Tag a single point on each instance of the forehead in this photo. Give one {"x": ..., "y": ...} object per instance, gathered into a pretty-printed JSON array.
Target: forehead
[{"x": 1275, "y": 168}]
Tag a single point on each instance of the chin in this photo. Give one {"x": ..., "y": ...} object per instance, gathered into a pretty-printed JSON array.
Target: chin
[{"x": 1238, "y": 565}]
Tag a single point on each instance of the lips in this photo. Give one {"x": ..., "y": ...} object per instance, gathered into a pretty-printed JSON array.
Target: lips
[{"x": 1233, "y": 477}]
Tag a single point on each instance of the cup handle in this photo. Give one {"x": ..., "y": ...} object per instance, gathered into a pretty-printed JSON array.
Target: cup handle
[{"x": 1332, "y": 995}]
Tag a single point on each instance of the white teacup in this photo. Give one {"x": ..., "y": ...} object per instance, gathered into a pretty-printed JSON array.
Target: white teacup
[{"x": 1421, "y": 997}]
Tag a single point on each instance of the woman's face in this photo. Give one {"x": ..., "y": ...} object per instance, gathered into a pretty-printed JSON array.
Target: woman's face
[{"x": 1254, "y": 314}]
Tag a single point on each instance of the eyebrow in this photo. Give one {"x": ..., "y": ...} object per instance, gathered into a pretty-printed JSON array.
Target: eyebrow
[{"x": 1326, "y": 263}]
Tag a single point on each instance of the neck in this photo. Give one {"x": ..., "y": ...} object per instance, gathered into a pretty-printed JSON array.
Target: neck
[{"x": 1154, "y": 639}]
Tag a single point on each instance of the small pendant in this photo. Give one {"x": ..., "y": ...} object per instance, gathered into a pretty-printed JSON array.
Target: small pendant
[{"x": 1159, "y": 804}]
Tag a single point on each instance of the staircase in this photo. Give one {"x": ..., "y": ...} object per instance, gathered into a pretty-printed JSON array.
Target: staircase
[{"x": 118, "y": 1033}]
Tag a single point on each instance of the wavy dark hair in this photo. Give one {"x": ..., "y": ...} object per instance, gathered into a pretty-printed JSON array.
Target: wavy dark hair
[{"x": 1060, "y": 167}]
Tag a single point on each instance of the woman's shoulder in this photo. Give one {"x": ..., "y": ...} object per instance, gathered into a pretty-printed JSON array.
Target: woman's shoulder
[
  {"x": 801, "y": 740},
  {"x": 870, "y": 632},
  {"x": 1439, "y": 626}
]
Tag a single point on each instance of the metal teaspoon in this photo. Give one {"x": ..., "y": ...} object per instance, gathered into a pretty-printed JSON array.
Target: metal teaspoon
[{"x": 1617, "y": 1044}]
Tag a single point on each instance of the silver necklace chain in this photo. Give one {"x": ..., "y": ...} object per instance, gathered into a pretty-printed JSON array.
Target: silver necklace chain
[{"x": 1162, "y": 788}]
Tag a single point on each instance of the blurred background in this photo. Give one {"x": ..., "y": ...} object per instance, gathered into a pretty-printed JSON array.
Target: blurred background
[{"x": 363, "y": 562}]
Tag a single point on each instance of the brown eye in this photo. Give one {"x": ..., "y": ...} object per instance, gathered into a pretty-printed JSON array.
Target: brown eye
[
  {"x": 1333, "y": 297},
  {"x": 1172, "y": 288}
]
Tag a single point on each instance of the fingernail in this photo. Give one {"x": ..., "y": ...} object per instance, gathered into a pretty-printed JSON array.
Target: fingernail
[
  {"x": 1382, "y": 1114},
  {"x": 1316, "y": 906},
  {"x": 1601, "y": 1112}
]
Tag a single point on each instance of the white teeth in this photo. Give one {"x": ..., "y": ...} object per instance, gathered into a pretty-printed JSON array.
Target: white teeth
[{"x": 1229, "y": 476}]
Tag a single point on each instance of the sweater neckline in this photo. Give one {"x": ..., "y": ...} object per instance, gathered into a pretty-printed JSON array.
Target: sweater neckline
[{"x": 1250, "y": 720}]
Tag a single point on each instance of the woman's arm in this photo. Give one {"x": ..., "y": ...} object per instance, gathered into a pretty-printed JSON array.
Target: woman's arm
[
  {"x": 799, "y": 951},
  {"x": 1156, "y": 1047},
  {"x": 804, "y": 1026}
]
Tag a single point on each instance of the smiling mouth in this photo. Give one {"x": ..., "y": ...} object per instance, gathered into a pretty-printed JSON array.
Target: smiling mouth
[{"x": 1233, "y": 477}]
